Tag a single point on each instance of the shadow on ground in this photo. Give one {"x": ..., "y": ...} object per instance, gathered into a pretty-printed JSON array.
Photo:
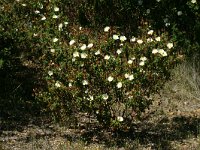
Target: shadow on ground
[
  {"x": 17, "y": 104},
  {"x": 156, "y": 135}
]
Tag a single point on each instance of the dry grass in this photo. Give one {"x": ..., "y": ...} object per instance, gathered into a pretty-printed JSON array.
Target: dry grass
[{"x": 184, "y": 88}]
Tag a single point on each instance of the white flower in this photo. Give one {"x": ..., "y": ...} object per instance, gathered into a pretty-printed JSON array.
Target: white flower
[
  {"x": 141, "y": 70},
  {"x": 70, "y": 84},
  {"x": 71, "y": 42},
  {"x": 86, "y": 91},
  {"x": 167, "y": 24},
  {"x": 158, "y": 0},
  {"x": 97, "y": 52},
  {"x": 133, "y": 39},
  {"x": 107, "y": 57},
  {"x": 148, "y": 11},
  {"x": 143, "y": 58},
  {"x": 162, "y": 52},
  {"x": 106, "y": 29},
  {"x": 66, "y": 23},
  {"x": 154, "y": 51},
  {"x": 76, "y": 54},
  {"x": 120, "y": 119},
  {"x": 35, "y": 34},
  {"x": 37, "y": 12},
  {"x": 57, "y": 84},
  {"x": 90, "y": 45},
  {"x": 170, "y": 45},
  {"x": 133, "y": 58},
  {"x": 56, "y": 9},
  {"x": 130, "y": 97},
  {"x": 55, "y": 40},
  {"x": 166, "y": 21},
  {"x": 115, "y": 37},
  {"x": 43, "y": 18},
  {"x": 150, "y": 32},
  {"x": 123, "y": 38},
  {"x": 141, "y": 63},
  {"x": 105, "y": 96},
  {"x": 73, "y": 59},
  {"x": 119, "y": 51},
  {"x": 110, "y": 78},
  {"x": 80, "y": 28},
  {"x": 193, "y": 1},
  {"x": 131, "y": 77},
  {"x": 50, "y": 73},
  {"x": 60, "y": 26},
  {"x": 24, "y": 5},
  {"x": 179, "y": 13},
  {"x": 91, "y": 98},
  {"x": 52, "y": 50},
  {"x": 119, "y": 85},
  {"x": 41, "y": 6},
  {"x": 85, "y": 82},
  {"x": 84, "y": 55},
  {"x": 126, "y": 75},
  {"x": 157, "y": 38},
  {"x": 83, "y": 47},
  {"x": 55, "y": 16},
  {"x": 139, "y": 41},
  {"x": 130, "y": 61},
  {"x": 149, "y": 40}
]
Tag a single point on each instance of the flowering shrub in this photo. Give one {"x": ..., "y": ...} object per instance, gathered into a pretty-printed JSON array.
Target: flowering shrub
[
  {"x": 110, "y": 75},
  {"x": 111, "y": 78}
]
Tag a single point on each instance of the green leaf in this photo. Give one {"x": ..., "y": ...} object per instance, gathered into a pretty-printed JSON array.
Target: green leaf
[{"x": 1, "y": 63}]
